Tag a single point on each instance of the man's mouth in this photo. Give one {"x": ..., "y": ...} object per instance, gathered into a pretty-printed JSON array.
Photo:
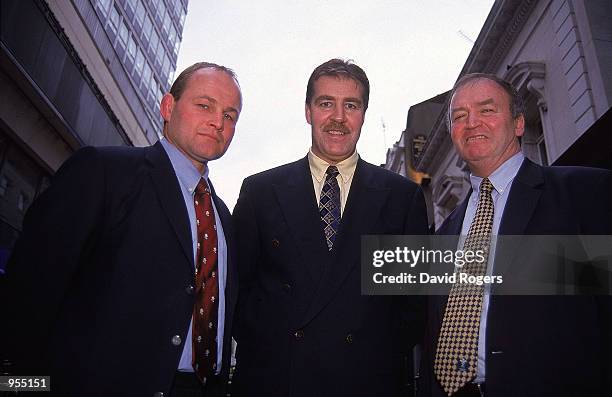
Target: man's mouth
[
  {"x": 336, "y": 129},
  {"x": 475, "y": 138}
]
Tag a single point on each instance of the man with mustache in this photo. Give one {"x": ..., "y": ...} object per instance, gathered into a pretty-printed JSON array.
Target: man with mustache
[
  {"x": 124, "y": 280},
  {"x": 303, "y": 328}
]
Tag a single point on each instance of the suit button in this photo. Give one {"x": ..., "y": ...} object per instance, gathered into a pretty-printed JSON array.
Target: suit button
[
  {"x": 159, "y": 394},
  {"x": 287, "y": 287},
  {"x": 189, "y": 289},
  {"x": 275, "y": 243},
  {"x": 176, "y": 340},
  {"x": 349, "y": 339},
  {"x": 299, "y": 334}
]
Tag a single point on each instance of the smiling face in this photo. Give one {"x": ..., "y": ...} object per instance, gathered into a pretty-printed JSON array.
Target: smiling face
[
  {"x": 482, "y": 128},
  {"x": 335, "y": 113},
  {"x": 201, "y": 123}
]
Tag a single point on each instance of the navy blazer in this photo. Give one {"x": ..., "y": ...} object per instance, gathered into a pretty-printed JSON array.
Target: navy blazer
[
  {"x": 302, "y": 326},
  {"x": 540, "y": 345},
  {"x": 100, "y": 283}
]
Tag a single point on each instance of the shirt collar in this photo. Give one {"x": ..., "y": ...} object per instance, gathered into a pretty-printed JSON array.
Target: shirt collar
[
  {"x": 502, "y": 176},
  {"x": 187, "y": 173},
  {"x": 346, "y": 167}
]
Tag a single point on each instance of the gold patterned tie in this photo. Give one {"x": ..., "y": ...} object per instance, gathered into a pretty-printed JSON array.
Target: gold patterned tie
[{"x": 457, "y": 352}]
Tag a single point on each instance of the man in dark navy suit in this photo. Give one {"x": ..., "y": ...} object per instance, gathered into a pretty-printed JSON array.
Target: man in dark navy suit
[
  {"x": 526, "y": 345},
  {"x": 302, "y": 326},
  {"x": 102, "y": 290}
]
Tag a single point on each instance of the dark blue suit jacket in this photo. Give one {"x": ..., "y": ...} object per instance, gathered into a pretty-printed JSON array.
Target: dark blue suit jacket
[
  {"x": 99, "y": 281},
  {"x": 541, "y": 345},
  {"x": 302, "y": 326}
]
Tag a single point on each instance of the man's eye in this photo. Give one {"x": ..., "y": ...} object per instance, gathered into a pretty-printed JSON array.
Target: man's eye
[
  {"x": 325, "y": 104},
  {"x": 351, "y": 106},
  {"x": 487, "y": 110},
  {"x": 458, "y": 116},
  {"x": 228, "y": 116},
  {"x": 204, "y": 106}
]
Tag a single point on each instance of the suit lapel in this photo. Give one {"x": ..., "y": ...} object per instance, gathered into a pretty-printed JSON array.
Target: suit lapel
[
  {"x": 297, "y": 200},
  {"x": 169, "y": 193},
  {"x": 522, "y": 202},
  {"x": 365, "y": 201}
]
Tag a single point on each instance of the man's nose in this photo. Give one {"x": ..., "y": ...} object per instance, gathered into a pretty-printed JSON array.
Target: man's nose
[
  {"x": 473, "y": 120},
  {"x": 216, "y": 120},
  {"x": 339, "y": 113}
]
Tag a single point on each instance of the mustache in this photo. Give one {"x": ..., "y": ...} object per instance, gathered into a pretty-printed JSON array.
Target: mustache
[{"x": 335, "y": 126}]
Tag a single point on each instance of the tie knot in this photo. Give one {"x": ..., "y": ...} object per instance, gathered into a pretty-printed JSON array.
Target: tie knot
[
  {"x": 486, "y": 187},
  {"x": 332, "y": 171},
  {"x": 202, "y": 188}
]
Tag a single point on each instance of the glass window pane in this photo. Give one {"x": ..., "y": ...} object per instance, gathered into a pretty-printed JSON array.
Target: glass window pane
[
  {"x": 131, "y": 4},
  {"x": 140, "y": 13},
  {"x": 123, "y": 33},
  {"x": 103, "y": 6},
  {"x": 154, "y": 42},
  {"x": 139, "y": 61},
  {"x": 114, "y": 19},
  {"x": 132, "y": 47},
  {"x": 146, "y": 74},
  {"x": 146, "y": 30},
  {"x": 182, "y": 18},
  {"x": 167, "y": 23}
]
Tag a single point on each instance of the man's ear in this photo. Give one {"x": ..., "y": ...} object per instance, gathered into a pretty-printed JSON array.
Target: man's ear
[
  {"x": 519, "y": 125},
  {"x": 166, "y": 106},
  {"x": 307, "y": 112}
]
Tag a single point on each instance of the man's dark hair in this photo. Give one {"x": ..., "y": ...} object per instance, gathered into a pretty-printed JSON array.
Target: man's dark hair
[
  {"x": 517, "y": 106},
  {"x": 181, "y": 81},
  {"x": 341, "y": 69}
]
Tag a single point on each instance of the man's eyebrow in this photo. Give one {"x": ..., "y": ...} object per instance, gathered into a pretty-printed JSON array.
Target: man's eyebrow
[
  {"x": 487, "y": 101},
  {"x": 213, "y": 100},
  {"x": 331, "y": 98}
]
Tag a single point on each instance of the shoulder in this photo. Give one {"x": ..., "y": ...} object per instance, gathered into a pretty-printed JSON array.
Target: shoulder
[
  {"x": 580, "y": 179},
  {"x": 278, "y": 174},
  {"x": 384, "y": 178}
]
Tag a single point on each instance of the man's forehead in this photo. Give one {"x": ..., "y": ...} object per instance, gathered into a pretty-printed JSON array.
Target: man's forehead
[
  {"x": 330, "y": 84},
  {"x": 481, "y": 90}
]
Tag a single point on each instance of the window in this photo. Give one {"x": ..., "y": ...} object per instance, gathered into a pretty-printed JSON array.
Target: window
[
  {"x": 123, "y": 34},
  {"x": 113, "y": 21},
  {"x": 103, "y": 6},
  {"x": 182, "y": 18},
  {"x": 154, "y": 42},
  {"x": 131, "y": 4},
  {"x": 171, "y": 77},
  {"x": 172, "y": 36},
  {"x": 146, "y": 30},
  {"x": 146, "y": 76},
  {"x": 166, "y": 67},
  {"x": 166, "y": 25},
  {"x": 140, "y": 14},
  {"x": 131, "y": 48},
  {"x": 139, "y": 61},
  {"x": 161, "y": 10}
]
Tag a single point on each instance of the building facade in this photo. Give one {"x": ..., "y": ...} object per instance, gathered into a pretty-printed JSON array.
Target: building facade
[
  {"x": 558, "y": 53},
  {"x": 75, "y": 73}
]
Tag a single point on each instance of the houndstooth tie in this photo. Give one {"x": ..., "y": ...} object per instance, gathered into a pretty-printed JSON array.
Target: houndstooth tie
[
  {"x": 457, "y": 352},
  {"x": 329, "y": 206}
]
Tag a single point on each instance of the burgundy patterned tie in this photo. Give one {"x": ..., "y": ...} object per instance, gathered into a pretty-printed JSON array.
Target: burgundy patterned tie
[{"x": 205, "y": 310}]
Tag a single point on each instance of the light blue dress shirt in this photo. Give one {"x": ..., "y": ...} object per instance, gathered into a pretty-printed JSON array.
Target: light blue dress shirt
[
  {"x": 188, "y": 177},
  {"x": 501, "y": 179}
]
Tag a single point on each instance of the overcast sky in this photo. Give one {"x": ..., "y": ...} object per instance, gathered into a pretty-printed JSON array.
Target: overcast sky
[{"x": 411, "y": 51}]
